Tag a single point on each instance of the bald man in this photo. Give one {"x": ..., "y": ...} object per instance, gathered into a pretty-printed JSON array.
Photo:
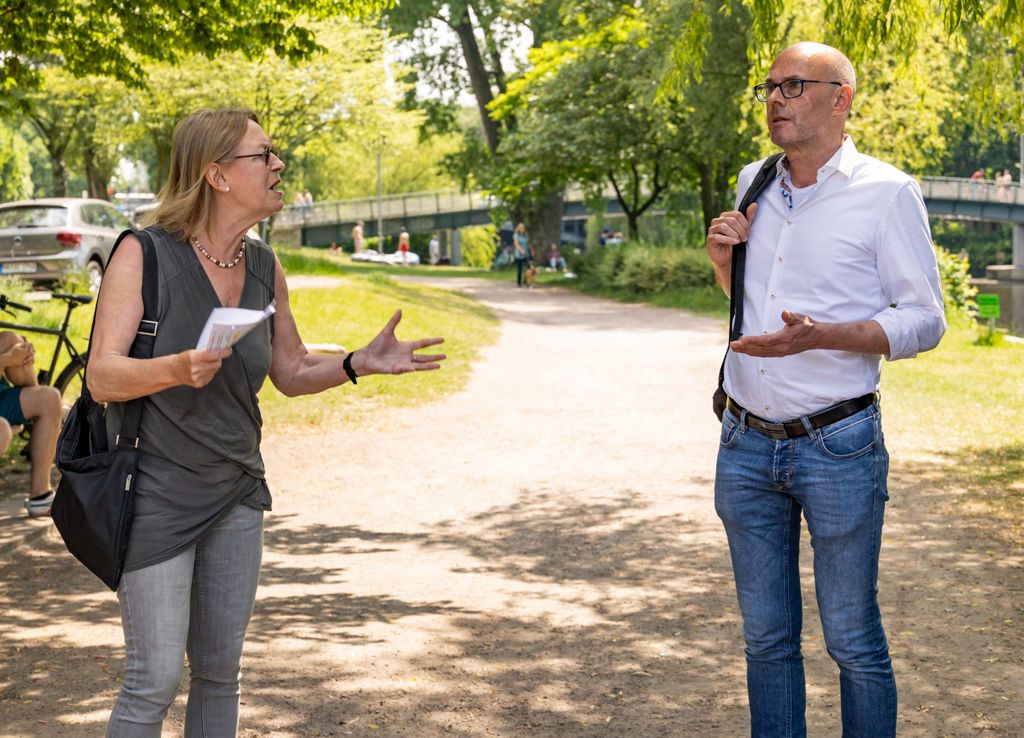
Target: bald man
[{"x": 840, "y": 272}]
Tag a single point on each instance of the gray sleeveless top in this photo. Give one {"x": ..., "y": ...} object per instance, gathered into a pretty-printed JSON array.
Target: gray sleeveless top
[{"x": 199, "y": 449}]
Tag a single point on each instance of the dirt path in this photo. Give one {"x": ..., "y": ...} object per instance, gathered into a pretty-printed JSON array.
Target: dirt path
[{"x": 536, "y": 556}]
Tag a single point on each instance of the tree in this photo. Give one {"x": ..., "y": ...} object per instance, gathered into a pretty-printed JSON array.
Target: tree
[
  {"x": 335, "y": 93},
  {"x": 15, "y": 169},
  {"x": 861, "y": 27},
  {"x": 116, "y": 39},
  {"x": 471, "y": 56},
  {"x": 588, "y": 113},
  {"x": 55, "y": 113}
]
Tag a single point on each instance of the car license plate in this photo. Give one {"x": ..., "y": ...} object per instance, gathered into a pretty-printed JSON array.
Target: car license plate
[{"x": 18, "y": 267}]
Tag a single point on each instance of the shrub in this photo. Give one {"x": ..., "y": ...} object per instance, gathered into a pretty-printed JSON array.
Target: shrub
[
  {"x": 479, "y": 244},
  {"x": 641, "y": 268},
  {"x": 955, "y": 273}
]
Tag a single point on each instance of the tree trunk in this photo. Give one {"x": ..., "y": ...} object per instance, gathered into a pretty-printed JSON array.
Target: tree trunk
[
  {"x": 478, "y": 78},
  {"x": 707, "y": 194},
  {"x": 546, "y": 227},
  {"x": 95, "y": 177},
  {"x": 59, "y": 176}
]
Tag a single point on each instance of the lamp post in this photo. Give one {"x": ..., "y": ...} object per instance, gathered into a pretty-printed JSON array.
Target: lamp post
[
  {"x": 1018, "y": 229},
  {"x": 380, "y": 195}
]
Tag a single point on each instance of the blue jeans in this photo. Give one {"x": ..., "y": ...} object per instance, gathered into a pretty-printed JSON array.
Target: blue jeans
[
  {"x": 835, "y": 476},
  {"x": 199, "y": 603}
]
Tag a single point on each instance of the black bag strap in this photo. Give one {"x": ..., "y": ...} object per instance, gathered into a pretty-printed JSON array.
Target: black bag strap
[
  {"x": 145, "y": 338},
  {"x": 764, "y": 177}
]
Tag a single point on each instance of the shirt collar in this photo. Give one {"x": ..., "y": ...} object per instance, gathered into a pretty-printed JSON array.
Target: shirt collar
[{"x": 842, "y": 161}]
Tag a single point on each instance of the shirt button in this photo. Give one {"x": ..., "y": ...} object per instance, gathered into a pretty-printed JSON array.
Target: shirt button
[
  {"x": 762, "y": 371},
  {"x": 789, "y": 222},
  {"x": 764, "y": 333},
  {"x": 773, "y": 295},
  {"x": 780, "y": 258}
]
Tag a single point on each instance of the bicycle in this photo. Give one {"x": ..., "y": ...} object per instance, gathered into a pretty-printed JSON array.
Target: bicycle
[{"x": 69, "y": 381}]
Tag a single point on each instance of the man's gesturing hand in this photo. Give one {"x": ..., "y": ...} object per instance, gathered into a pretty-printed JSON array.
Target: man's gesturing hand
[
  {"x": 727, "y": 230},
  {"x": 385, "y": 354},
  {"x": 797, "y": 335}
]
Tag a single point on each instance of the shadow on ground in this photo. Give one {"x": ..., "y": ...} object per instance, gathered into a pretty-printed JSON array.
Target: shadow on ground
[{"x": 653, "y": 649}]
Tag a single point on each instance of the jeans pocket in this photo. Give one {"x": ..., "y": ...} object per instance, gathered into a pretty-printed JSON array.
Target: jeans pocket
[
  {"x": 851, "y": 437},
  {"x": 730, "y": 429}
]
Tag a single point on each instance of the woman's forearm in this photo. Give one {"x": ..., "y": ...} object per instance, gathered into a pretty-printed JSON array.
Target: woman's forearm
[{"x": 115, "y": 378}]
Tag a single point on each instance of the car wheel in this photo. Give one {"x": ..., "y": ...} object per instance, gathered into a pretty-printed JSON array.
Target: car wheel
[{"x": 94, "y": 273}]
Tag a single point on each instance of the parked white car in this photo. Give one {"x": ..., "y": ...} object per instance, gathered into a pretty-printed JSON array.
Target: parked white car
[{"x": 46, "y": 239}]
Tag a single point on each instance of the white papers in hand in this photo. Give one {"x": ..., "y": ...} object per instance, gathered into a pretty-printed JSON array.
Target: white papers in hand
[{"x": 226, "y": 326}]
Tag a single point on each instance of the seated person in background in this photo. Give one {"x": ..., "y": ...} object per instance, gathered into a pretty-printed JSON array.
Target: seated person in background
[
  {"x": 555, "y": 259},
  {"x": 21, "y": 399}
]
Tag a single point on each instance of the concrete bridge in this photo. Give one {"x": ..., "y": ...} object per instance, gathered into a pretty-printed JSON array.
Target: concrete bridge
[
  {"x": 417, "y": 212},
  {"x": 421, "y": 212}
]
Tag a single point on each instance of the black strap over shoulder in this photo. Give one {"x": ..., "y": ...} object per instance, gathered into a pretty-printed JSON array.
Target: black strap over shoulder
[
  {"x": 764, "y": 177},
  {"x": 145, "y": 338}
]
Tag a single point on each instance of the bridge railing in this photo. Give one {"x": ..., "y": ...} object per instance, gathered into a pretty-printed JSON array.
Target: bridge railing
[
  {"x": 416, "y": 204},
  {"x": 407, "y": 205},
  {"x": 954, "y": 188}
]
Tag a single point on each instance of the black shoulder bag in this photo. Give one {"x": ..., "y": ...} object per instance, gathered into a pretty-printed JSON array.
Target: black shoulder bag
[
  {"x": 95, "y": 499},
  {"x": 765, "y": 176}
]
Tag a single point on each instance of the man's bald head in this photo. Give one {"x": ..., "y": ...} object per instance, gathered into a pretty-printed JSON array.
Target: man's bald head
[{"x": 827, "y": 61}]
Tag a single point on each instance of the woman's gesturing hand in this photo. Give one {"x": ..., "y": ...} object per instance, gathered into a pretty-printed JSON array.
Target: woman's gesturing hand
[
  {"x": 198, "y": 367},
  {"x": 385, "y": 354}
]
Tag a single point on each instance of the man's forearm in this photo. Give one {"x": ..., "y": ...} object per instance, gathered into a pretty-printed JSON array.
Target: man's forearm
[{"x": 861, "y": 337}]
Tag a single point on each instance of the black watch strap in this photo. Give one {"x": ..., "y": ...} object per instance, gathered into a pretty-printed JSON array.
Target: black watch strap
[{"x": 347, "y": 366}]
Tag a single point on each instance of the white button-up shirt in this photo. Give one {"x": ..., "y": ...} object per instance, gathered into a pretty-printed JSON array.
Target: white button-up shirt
[{"x": 856, "y": 246}]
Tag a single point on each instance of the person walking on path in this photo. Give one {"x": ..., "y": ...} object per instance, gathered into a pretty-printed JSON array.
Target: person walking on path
[
  {"x": 195, "y": 546},
  {"x": 840, "y": 272},
  {"x": 522, "y": 253},
  {"x": 23, "y": 399}
]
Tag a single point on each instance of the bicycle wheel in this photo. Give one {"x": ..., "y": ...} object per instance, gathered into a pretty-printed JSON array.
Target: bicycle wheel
[{"x": 69, "y": 381}]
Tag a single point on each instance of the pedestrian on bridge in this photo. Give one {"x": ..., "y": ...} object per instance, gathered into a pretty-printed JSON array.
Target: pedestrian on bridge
[
  {"x": 840, "y": 272},
  {"x": 196, "y": 541}
]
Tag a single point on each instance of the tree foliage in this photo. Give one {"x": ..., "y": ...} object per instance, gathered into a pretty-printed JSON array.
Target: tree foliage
[
  {"x": 116, "y": 39},
  {"x": 338, "y": 92},
  {"x": 15, "y": 170},
  {"x": 861, "y": 27},
  {"x": 588, "y": 112}
]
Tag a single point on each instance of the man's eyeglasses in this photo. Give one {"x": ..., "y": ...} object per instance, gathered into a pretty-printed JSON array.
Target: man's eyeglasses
[
  {"x": 264, "y": 155},
  {"x": 789, "y": 88}
]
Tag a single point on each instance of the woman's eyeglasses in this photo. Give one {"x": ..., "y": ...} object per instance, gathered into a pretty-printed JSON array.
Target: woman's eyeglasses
[{"x": 264, "y": 155}]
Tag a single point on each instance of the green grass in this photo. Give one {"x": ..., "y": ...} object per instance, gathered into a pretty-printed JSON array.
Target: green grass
[
  {"x": 309, "y": 260},
  {"x": 351, "y": 315},
  {"x": 962, "y": 403},
  {"x": 705, "y": 300}
]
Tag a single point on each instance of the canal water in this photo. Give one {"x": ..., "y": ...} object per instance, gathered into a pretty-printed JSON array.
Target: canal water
[{"x": 1011, "y": 302}]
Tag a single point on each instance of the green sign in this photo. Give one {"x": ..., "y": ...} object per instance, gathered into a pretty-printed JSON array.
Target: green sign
[{"x": 988, "y": 306}]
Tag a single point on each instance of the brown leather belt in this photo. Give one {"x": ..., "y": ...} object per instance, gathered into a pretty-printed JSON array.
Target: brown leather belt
[{"x": 796, "y": 428}]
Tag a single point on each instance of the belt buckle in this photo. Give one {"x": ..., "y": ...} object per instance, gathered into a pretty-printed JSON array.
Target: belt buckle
[{"x": 776, "y": 431}]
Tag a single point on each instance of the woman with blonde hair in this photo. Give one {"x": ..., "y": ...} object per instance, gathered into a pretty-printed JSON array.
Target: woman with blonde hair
[
  {"x": 522, "y": 252},
  {"x": 196, "y": 541}
]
